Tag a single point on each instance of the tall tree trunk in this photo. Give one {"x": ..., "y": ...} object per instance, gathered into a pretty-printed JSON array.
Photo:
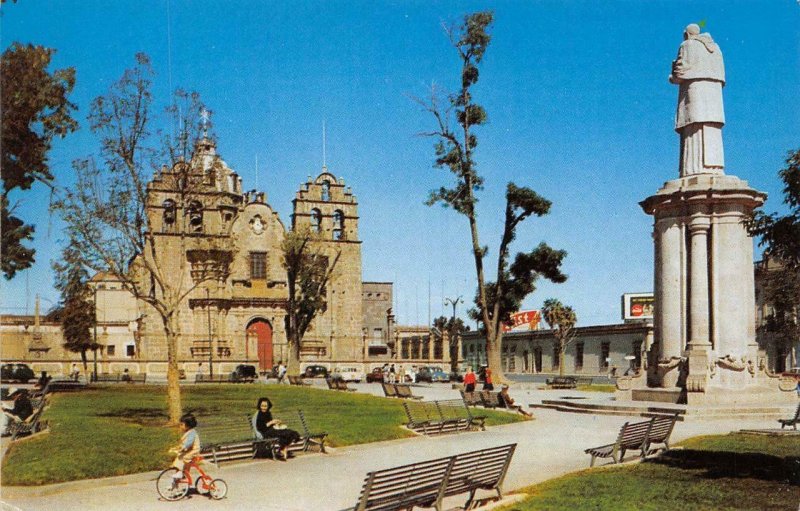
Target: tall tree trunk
[
  {"x": 561, "y": 350},
  {"x": 493, "y": 357},
  {"x": 85, "y": 360},
  {"x": 171, "y": 329},
  {"x": 293, "y": 364}
]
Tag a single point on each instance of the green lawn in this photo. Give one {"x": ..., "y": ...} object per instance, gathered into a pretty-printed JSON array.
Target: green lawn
[
  {"x": 115, "y": 430},
  {"x": 729, "y": 472}
]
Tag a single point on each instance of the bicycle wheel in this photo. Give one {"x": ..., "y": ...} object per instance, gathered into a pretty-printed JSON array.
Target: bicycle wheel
[
  {"x": 169, "y": 488},
  {"x": 201, "y": 485},
  {"x": 218, "y": 489}
]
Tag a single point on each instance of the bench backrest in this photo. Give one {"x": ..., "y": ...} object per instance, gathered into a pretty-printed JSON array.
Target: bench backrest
[
  {"x": 471, "y": 398},
  {"x": 633, "y": 435},
  {"x": 425, "y": 484},
  {"x": 453, "y": 409},
  {"x": 491, "y": 399},
  {"x": 483, "y": 469},
  {"x": 661, "y": 428},
  {"x": 221, "y": 430},
  {"x": 389, "y": 389},
  {"x": 402, "y": 390},
  {"x": 417, "y": 484},
  {"x": 796, "y": 417},
  {"x": 420, "y": 412}
]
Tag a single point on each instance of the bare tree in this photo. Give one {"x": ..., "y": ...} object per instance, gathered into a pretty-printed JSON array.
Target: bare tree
[
  {"x": 456, "y": 115},
  {"x": 115, "y": 208},
  {"x": 561, "y": 319},
  {"x": 309, "y": 270}
]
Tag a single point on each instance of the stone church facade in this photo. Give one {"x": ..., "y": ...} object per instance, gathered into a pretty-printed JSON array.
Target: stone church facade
[{"x": 221, "y": 247}]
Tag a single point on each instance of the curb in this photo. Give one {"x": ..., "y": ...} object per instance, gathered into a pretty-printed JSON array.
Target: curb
[{"x": 22, "y": 492}]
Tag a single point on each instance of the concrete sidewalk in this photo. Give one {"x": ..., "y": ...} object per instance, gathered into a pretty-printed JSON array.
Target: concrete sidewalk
[{"x": 548, "y": 447}]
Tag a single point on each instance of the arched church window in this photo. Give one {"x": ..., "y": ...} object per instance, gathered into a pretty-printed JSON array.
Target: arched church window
[
  {"x": 316, "y": 220},
  {"x": 169, "y": 215},
  {"x": 195, "y": 212},
  {"x": 338, "y": 225},
  {"x": 326, "y": 190}
]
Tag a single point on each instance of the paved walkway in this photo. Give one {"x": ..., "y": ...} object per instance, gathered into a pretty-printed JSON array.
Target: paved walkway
[{"x": 549, "y": 446}]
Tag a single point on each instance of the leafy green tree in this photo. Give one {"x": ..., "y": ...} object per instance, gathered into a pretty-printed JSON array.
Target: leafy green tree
[
  {"x": 780, "y": 235},
  {"x": 106, "y": 212},
  {"x": 456, "y": 115},
  {"x": 308, "y": 270},
  {"x": 35, "y": 109},
  {"x": 76, "y": 311},
  {"x": 455, "y": 328},
  {"x": 561, "y": 319}
]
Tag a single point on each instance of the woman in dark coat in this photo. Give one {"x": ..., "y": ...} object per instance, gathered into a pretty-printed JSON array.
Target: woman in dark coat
[{"x": 267, "y": 427}]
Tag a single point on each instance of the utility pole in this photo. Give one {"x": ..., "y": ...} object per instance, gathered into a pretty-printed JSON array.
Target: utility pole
[
  {"x": 453, "y": 340},
  {"x": 210, "y": 341}
]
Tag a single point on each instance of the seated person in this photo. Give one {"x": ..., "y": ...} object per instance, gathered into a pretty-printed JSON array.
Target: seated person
[
  {"x": 508, "y": 402},
  {"x": 22, "y": 409},
  {"x": 267, "y": 427}
]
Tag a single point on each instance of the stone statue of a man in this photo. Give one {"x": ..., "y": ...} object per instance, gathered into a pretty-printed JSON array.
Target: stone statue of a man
[{"x": 700, "y": 73}]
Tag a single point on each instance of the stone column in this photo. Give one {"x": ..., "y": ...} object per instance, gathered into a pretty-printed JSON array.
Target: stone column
[
  {"x": 699, "y": 343},
  {"x": 698, "y": 291},
  {"x": 669, "y": 311}
]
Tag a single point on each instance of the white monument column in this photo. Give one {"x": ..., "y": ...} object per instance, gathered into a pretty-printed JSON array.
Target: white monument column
[
  {"x": 698, "y": 280},
  {"x": 703, "y": 275}
]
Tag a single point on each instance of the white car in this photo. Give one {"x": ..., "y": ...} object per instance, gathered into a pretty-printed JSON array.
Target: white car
[{"x": 348, "y": 373}]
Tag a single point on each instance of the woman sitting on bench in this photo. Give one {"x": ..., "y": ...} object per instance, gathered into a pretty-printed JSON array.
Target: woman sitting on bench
[
  {"x": 508, "y": 401},
  {"x": 267, "y": 427}
]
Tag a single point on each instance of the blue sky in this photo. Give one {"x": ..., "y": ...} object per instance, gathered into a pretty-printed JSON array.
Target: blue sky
[{"x": 577, "y": 95}]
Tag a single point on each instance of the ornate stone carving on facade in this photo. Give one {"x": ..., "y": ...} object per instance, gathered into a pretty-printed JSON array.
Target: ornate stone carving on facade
[
  {"x": 731, "y": 363},
  {"x": 209, "y": 264}
]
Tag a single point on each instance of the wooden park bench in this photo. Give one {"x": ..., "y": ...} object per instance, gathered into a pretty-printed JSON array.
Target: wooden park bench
[
  {"x": 389, "y": 389},
  {"x": 337, "y": 384},
  {"x": 33, "y": 424},
  {"x": 472, "y": 398},
  {"x": 562, "y": 382},
  {"x": 431, "y": 417},
  {"x": 121, "y": 378},
  {"x": 404, "y": 391},
  {"x": 636, "y": 436},
  {"x": 297, "y": 380},
  {"x": 793, "y": 421},
  {"x": 226, "y": 439},
  {"x": 299, "y": 423},
  {"x": 491, "y": 399},
  {"x": 65, "y": 386},
  {"x": 427, "y": 483},
  {"x": 207, "y": 378}
]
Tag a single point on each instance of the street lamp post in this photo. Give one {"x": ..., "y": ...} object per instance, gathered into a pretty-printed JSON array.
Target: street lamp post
[{"x": 453, "y": 342}]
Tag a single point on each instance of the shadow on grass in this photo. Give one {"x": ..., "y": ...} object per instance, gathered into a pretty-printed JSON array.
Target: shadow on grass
[
  {"x": 726, "y": 464},
  {"x": 143, "y": 416}
]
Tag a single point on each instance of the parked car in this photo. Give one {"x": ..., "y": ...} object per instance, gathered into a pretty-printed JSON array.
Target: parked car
[
  {"x": 432, "y": 374},
  {"x": 376, "y": 375},
  {"x": 315, "y": 371},
  {"x": 348, "y": 373},
  {"x": 245, "y": 373},
  {"x": 16, "y": 372}
]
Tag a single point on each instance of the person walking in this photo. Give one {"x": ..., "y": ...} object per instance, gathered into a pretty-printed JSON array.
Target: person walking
[
  {"x": 281, "y": 371},
  {"x": 469, "y": 381},
  {"x": 487, "y": 380}
]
